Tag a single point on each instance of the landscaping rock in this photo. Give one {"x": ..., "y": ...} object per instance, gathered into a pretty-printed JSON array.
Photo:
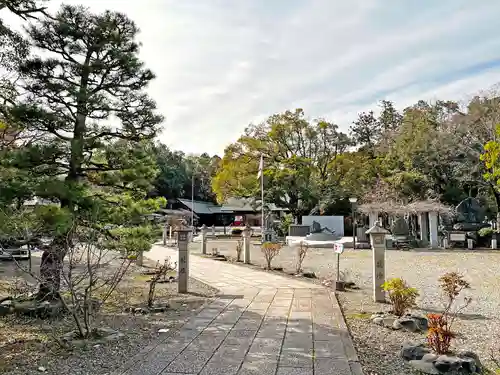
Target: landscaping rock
[
  {"x": 409, "y": 324},
  {"x": 421, "y": 321},
  {"x": 6, "y": 307},
  {"x": 466, "y": 363},
  {"x": 468, "y": 355},
  {"x": 425, "y": 367},
  {"x": 70, "y": 336},
  {"x": 396, "y": 325},
  {"x": 411, "y": 351},
  {"x": 430, "y": 357},
  {"x": 103, "y": 331},
  {"x": 446, "y": 363}
]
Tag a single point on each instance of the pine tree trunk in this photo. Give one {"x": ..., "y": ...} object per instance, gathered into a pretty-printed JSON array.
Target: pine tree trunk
[{"x": 51, "y": 267}]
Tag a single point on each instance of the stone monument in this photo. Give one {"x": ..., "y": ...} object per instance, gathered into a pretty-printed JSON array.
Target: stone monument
[
  {"x": 400, "y": 232},
  {"x": 183, "y": 261},
  {"x": 246, "y": 234},
  {"x": 468, "y": 220},
  {"x": 377, "y": 240},
  {"x": 319, "y": 233},
  {"x": 204, "y": 231}
]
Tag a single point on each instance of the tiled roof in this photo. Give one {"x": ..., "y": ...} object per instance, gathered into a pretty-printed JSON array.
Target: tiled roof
[
  {"x": 199, "y": 207},
  {"x": 232, "y": 205}
]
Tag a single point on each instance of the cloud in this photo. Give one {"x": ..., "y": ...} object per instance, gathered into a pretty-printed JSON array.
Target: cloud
[{"x": 222, "y": 64}]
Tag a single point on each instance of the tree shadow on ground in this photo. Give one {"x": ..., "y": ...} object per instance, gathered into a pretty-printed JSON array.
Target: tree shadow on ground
[{"x": 463, "y": 316}]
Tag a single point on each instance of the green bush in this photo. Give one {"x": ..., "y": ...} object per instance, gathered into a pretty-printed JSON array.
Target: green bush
[
  {"x": 236, "y": 231},
  {"x": 485, "y": 232},
  {"x": 401, "y": 295}
]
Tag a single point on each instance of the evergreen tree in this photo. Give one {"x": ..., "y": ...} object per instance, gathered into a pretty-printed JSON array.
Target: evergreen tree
[{"x": 91, "y": 124}]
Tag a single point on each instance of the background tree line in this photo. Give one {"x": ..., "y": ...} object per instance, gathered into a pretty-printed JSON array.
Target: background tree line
[{"x": 443, "y": 151}]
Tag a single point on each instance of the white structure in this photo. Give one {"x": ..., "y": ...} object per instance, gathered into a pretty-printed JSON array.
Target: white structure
[{"x": 333, "y": 223}]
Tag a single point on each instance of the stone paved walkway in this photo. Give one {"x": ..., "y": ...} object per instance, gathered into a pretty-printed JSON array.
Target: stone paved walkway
[{"x": 262, "y": 324}]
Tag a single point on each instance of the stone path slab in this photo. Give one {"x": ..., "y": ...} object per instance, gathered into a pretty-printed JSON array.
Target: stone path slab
[{"x": 261, "y": 324}]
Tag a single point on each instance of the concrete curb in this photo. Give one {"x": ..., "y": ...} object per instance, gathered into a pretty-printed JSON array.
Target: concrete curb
[{"x": 345, "y": 335}]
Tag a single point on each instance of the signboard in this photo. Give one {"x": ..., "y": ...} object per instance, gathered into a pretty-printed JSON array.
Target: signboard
[
  {"x": 338, "y": 248},
  {"x": 457, "y": 236}
]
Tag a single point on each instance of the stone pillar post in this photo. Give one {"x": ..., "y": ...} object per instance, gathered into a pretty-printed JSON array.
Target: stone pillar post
[
  {"x": 213, "y": 230},
  {"x": 372, "y": 218},
  {"x": 377, "y": 240},
  {"x": 204, "y": 231},
  {"x": 165, "y": 235},
  {"x": 433, "y": 230},
  {"x": 423, "y": 222},
  {"x": 246, "y": 234},
  {"x": 494, "y": 241},
  {"x": 183, "y": 261}
]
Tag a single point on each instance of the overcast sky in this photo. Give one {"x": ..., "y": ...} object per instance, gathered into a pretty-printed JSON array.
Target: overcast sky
[{"x": 222, "y": 64}]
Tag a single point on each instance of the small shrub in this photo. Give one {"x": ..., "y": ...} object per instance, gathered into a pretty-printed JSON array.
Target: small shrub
[
  {"x": 452, "y": 284},
  {"x": 239, "y": 250},
  {"x": 401, "y": 295},
  {"x": 161, "y": 272},
  {"x": 440, "y": 333},
  {"x": 270, "y": 251},
  {"x": 301, "y": 254},
  {"x": 485, "y": 232}
]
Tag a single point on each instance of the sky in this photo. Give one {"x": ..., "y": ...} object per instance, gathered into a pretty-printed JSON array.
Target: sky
[{"x": 223, "y": 64}]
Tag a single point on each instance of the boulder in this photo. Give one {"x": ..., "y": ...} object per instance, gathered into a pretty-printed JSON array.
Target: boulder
[
  {"x": 388, "y": 321},
  {"x": 396, "y": 325},
  {"x": 445, "y": 363},
  {"x": 378, "y": 320},
  {"x": 6, "y": 307},
  {"x": 425, "y": 367},
  {"x": 421, "y": 321},
  {"x": 430, "y": 357},
  {"x": 408, "y": 324},
  {"x": 467, "y": 356},
  {"x": 411, "y": 351}
]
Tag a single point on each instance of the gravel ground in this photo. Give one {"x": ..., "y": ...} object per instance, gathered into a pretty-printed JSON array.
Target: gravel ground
[
  {"x": 478, "y": 328},
  {"x": 27, "y": 345}
]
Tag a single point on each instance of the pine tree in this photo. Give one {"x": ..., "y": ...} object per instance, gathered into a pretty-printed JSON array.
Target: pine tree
[{"x": 90, "y": 124}]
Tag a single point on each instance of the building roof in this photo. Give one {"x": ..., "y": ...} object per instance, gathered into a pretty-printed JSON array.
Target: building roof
[
  {"x": 231, "y": 206},
  {"x": 200, "y": 207},
  {"x": 179, "y": 212}
]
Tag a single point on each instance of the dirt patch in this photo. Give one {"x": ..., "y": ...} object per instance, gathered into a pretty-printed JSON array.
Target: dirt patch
[{"x": 28, "y": 346}]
